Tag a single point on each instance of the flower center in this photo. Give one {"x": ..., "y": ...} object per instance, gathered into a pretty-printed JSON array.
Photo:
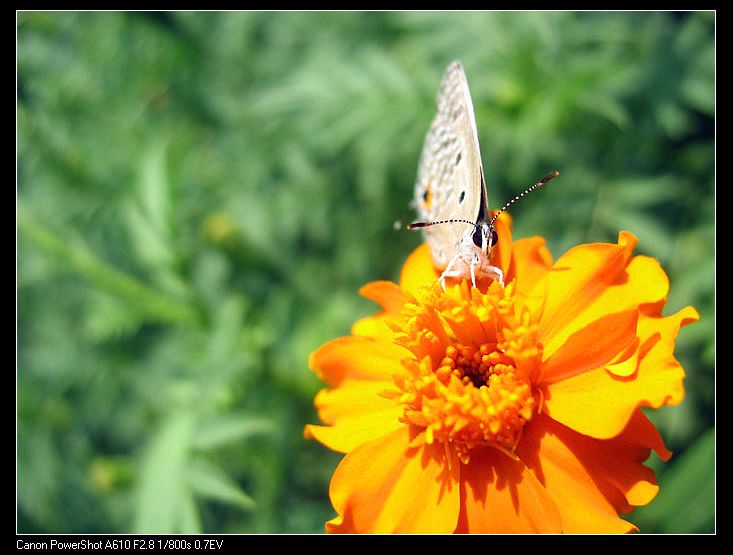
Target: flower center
[
  {"x": 476, "y": 365},
  {"x": 469, "y": 393}
]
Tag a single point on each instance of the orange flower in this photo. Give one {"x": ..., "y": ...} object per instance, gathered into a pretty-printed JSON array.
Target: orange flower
[{"x": 495, "y": 409}]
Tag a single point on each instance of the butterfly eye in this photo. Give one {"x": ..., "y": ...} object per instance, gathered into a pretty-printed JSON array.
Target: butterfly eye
[
  {"x": 494, "y": 238},
  {"x": 478, "y": 237}
]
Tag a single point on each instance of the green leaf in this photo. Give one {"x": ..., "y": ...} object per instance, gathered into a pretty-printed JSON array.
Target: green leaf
[
  {"x": 210, "y": 482},
  {"x": 148, "y": 215},
  {"x": 163, "y": 489},
  {"x": 76, "y": 255},
  {"x": 190, "y": 517},
  {"x": 229, "y": 428}
]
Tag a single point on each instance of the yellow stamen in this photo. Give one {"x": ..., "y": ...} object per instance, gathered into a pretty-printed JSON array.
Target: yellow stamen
[{"x": 469, "y": 383}]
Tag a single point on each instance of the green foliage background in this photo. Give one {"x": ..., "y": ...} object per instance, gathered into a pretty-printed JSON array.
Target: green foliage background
[{"x": 200, "y": 195}]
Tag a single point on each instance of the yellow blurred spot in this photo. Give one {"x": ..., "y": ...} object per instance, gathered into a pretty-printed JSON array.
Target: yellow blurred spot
[
  {"x": 218, "y": 227},
  {"x": 101, "y": 475}
]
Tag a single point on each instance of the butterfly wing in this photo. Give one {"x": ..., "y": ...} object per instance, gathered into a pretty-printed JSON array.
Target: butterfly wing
[{"x": 450, "y": 181}]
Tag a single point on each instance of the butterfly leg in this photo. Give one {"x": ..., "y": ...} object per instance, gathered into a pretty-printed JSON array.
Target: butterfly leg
[
  {"x": 449, "y": 272},
  {"x": 472, "y": 267},
  {"x": 496, "y": 273}
]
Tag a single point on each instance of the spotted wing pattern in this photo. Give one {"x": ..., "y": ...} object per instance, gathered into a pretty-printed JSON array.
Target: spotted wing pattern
[{"x": 450, "y": 182}]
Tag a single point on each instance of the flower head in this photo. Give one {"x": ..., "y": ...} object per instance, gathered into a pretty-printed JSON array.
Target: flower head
[{"x": 502, "y": 409}]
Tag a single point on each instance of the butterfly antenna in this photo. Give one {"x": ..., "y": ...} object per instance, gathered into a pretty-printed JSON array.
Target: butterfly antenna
[
  {"x": 417, "y": 225},
  {"x": 537, "y": 185},
  {"x": 399, "y": 222}
]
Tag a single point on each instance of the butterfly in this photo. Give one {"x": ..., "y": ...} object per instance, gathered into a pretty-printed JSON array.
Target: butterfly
[{"x": 450, "y": 192}]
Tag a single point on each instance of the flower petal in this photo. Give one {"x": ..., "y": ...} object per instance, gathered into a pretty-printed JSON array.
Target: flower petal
[
  {"x": 357, "y": 358},
  {"x": 627, "y": 361},
  {"x": 636, "y": 482},
  {"x": 386, "y": 293},
  {"x": 353, "y": 398},
  {"x": 375, "y": 327},
  {"x": 599, "y": 403},
  {"x": 584, "y": 476},
  {"x": 641, "y": 431},
  {"x": 617, "y": 464},
  {"x": 357, "y": 413},
  {"x": 391, "y": 298},
  {"x": 659, "y": 371},
  {"x": 500, "y": 495},
  {"x": 590, "y": 281},
  {"x": 418, "y": 270},
  {"x": 591, "y": 347},
  {"x": 531, "y": 262},
  {"x": 385, "y": 486}
]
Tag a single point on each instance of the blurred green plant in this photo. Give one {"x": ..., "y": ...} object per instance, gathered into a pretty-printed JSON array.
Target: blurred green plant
[{"x": 200, "y": 195}]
